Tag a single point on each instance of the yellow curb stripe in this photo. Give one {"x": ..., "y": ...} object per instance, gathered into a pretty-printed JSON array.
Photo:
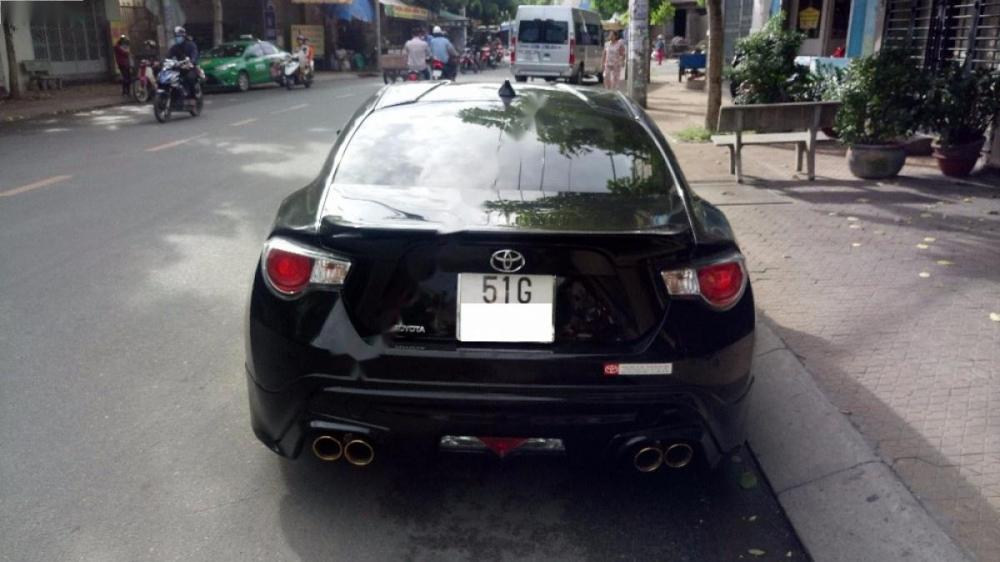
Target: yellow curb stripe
[{"x": 36, "y": 185}]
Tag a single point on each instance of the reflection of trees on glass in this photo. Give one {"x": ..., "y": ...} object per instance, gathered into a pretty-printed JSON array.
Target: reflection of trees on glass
[
  {"x": 634, "y": 165},
  {"x": 584, "y": 211}
]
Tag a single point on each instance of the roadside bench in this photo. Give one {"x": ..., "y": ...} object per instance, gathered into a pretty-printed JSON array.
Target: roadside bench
[
  {"x": 40, "y": 72},
  {"x": 775, "y": 123},
  {"x": 690, "y": 63}
]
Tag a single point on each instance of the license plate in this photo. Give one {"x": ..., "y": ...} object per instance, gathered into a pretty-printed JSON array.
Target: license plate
[{"x": 505, "y": 308}]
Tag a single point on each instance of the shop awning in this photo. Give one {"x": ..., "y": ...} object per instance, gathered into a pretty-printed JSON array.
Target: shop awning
[
  {"x": 360, "y": 10},
  {"x": 445, "y": 15},
  {"x": 398, "y": 9}
]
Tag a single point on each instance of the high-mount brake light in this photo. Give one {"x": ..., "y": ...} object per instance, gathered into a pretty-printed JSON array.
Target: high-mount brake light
[
  {"x": 291, "y": 268},
  {"x": 721, "y": 284}
]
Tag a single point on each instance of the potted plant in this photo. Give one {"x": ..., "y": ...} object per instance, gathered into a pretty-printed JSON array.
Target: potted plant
[
  {"x": 881, "y": 102},
  {"x": 961, "y": 108}
]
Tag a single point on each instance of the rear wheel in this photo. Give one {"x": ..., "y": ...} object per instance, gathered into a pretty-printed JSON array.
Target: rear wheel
[
  {"x": 600, "y": 77},
  {"x": 575, "y": 77},
  {"x": 139, "y": 92},
  {"x": 243, "y": 81},
  {"x": 199, "y": 102},
  {"x": 289, "y": 82}
]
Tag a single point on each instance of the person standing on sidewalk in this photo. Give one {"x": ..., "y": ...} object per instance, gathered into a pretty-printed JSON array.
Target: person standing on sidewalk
[
  {"x": 612, "y": 61},
  {"x": 124, "y": 61},
  {"x": 661, "y": 49}
]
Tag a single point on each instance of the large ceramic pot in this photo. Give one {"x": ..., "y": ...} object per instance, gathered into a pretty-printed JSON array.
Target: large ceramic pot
[
  {"x": 876, "y": 161},
  {"x": 958, "y": 160}
]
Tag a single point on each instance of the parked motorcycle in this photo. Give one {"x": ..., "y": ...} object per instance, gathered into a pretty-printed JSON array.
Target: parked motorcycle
[
  {"x": 468, "y": 63},
  {"x": 297, "y": 71},
  {"x": 144, "y": 85},
  {"x": 171, "y": 93}
]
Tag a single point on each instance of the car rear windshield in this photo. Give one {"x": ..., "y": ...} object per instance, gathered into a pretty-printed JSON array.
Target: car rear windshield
[
  {"x": 225, "y": 51},
  {"x": 534, "y": 144},
  {"x": 547, "y": 32}
]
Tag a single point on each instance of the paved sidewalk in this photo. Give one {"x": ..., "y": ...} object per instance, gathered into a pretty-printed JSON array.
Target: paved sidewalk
[
  {"x": 889, "y": 293},
  {"x": 84, "y": 97}
]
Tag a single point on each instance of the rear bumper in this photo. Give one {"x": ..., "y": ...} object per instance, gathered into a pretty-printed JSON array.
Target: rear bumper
[
  {"x": 542, "y": 70},
  {"x": 710, "y": 416}
]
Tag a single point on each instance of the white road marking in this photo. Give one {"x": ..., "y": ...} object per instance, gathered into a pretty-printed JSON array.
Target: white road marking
[
  {"x": 36, "y": 185},
  {"x": 243, "y": 122},
  {"x": 174, "y": 143},
  {"x": 342, "y": 96},
  {"x": 293, "y": 108}
]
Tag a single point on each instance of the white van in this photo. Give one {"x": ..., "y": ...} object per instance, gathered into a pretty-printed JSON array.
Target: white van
[{"x": 556, "y": 42}]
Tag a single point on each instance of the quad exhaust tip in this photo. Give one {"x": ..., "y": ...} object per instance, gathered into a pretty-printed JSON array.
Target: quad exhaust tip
[{"x": 650, "y": 458}]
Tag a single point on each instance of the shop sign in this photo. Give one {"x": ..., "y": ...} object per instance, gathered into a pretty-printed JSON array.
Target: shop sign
[
  {"x": 809, "y": 18},
  {"x": 406, "y": 12}
]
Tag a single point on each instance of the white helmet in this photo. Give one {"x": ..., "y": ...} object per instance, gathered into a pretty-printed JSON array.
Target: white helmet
[
  {"x": 180, "y": 31},
  {"x": 437, "y": 30}
]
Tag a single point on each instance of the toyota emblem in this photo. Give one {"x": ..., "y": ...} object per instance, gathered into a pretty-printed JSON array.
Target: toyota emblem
[{"x": 507, "y": 261}]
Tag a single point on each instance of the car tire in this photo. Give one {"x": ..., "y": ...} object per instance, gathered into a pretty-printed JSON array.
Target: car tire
[
  {"x": 243, "y": 81},
  {"x": 520, "y": 78},
  {"x": 575, "y": 77},
  {"x": 600, "y": 77}
]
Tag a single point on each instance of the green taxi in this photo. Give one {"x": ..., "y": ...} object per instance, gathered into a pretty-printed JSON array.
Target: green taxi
[{"x": 240, "y": 64}]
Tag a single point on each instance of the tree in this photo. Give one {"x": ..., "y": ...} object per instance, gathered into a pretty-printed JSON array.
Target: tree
[
  {"x": 715, "y": 38},
  {"x": 14, "y": 79}
]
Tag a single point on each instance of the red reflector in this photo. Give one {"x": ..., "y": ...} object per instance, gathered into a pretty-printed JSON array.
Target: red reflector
[
  {"x": 721, "y": 283},
  {"x": 611, "y": 369},
  {"x": 502, "y": 445},
  {"x": 513, "y": 52},
  {"x": 572, "y": 51},
  {"x": 288, "y": 272}
]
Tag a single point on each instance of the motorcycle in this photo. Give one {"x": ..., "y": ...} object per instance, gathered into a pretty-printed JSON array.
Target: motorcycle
[
  {"x": 485, "y": 58},
  {"x": 467, "y": 63},
  {"x": 437, "y": 69},
  {"x": 171, "y": 94},
  {"x": 144, "y": 85},
  {"x": 297, "y": 71}
]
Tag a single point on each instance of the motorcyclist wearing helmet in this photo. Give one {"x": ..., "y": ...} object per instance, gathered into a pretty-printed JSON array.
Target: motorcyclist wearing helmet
[
  {"x": 306, "y": 51},
  {"x": 184, "y": 48},
  {"x": 444, "y": 51},
  {"x": 123, "y": 59}
]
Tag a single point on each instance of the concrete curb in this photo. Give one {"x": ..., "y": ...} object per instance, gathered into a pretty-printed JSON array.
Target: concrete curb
[{"x": 844, "y": 502}]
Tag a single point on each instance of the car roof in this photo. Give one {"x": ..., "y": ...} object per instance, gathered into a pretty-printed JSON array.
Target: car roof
[{"x": 569, "y": 98}]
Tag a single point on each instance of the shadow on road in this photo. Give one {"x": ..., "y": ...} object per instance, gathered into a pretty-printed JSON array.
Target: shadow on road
[{"x": 482, "y": 508}]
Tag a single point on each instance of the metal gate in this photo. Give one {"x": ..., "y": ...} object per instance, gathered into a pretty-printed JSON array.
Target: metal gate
[{"x": 940, "y": 31}]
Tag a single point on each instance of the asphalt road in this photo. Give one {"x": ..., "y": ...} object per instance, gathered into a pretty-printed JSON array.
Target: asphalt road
[{"x": 126, "y": 253}]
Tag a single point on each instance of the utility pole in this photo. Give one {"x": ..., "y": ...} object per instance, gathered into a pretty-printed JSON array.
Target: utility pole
[
  {"x": 13, "y": 77},
  {"x": 638, "y": 50},
  {"x": 216, "y": 22}
]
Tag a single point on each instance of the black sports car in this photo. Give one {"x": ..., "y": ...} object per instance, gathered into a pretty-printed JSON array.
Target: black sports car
[{"x": 513, "y": 271}]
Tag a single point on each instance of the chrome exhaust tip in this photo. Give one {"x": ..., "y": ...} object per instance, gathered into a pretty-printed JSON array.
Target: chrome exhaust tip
[
  {"x": 327, "y": 448},
  {"x": 648, "y": 459},
  {"x": 359, "y": 452},
  {"x": 678, "y": 455}
]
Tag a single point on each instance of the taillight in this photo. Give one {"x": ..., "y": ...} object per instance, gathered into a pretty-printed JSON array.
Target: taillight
[
  {"x": 720, "y": 284},
  {"x": 572, "y": 52},
  {"x": 291, "y": 268},
  {"x": 513, "y": 50}
]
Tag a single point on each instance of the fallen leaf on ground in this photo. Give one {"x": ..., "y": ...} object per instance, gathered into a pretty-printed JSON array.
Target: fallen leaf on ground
[
  {"x": 752, "y": 518},
  {"x": 832, "y": 214},
  {"x": 944, "y": 262},
  {"x": 929, "y": 239},
  {"x": 967, "y": 199},
  {"x": 748, "y": 480},
  {"x": 995, "y": 316},
  {"x": 854, "y": 226},
  {"x": 756, "y": 552},
  {"x": 923, "y": 246},
  {"x": 852, "y": 219},
  {"x": 862, "y": 199},
  {"x": 925, "y": 215},
  {"x": 924, "y": 274},
  {"x": 856, "y": 244}
]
